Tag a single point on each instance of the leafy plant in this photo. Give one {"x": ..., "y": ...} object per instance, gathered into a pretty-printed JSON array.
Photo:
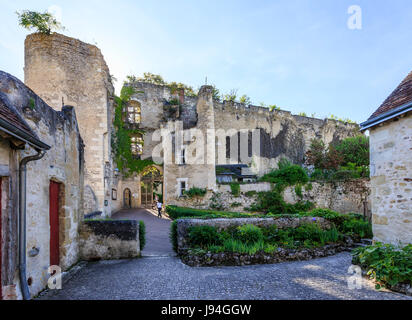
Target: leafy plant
[
  {"x": 298, "y": 191},
  {"x": 235, "y": 189},
  {"x": 249, "y": 234},
  {"x": 142, "y": 235},
  {"x": 231, "y": 96},
  {"x": 250, "y": 194},
  {"x": 288, "y": 174},
  {"x": 354, "y": 150},
  {"x": 385, "y": 263},
  {"x": 175, "y": 212},
  {"x": 173, "y": 235},
  {"x": 126, "y": 161},
  {"x": 203, "y": 236},
  {"x": 245, "y": 100},
  {"x": 42, "y": 22},
  {"x": 195, "y": 192}
]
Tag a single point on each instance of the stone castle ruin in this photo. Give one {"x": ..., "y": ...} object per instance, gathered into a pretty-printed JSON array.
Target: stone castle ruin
[{"x": 66, "y": 71}]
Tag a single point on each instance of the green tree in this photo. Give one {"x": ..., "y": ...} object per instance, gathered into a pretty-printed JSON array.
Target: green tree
[
  {"x": 355, "y": 150},
  {"x": 152, "y": 78},
  {"x": 42, "y": 22},
  {"x": 231, "y": 96}
]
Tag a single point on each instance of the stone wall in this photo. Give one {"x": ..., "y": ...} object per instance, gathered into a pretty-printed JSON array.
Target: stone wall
[
  {"x": 63, "y": 163},
  {"x": 107, "y": 240},
  {"x": 184, "y": 225},
  {"x": 342, "y": 196},
  {"x": 391, "y": 181},
  {"x": 60, "y": 68},
  {"x": 281, "y": 133},
  {"x": 351, "y": 196}
]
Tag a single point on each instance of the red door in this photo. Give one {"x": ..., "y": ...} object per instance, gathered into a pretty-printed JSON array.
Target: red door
[{"x": 54, "y": 224}]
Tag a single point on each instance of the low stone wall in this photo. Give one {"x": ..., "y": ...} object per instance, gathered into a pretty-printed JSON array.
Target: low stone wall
[
  {"x": 280, "y": 255},
  {"x": 342, "y": 196},
  {"x": 108, "y": 240},
  {"x": 183, "y": 225}
]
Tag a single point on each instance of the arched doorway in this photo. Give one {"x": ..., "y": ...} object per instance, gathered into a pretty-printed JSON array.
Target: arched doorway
[
  {"x": 151, "y": 187},
  {"x": 127, "y": 198}
]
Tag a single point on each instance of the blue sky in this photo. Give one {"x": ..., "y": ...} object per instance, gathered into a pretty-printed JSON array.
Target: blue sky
[{"x": 297, "y": 54}]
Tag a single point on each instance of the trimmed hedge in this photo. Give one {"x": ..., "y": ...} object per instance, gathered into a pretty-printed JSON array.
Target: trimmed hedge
[
  {"x": 175, "y": 212},
  {"x": 142, "y": 235}
]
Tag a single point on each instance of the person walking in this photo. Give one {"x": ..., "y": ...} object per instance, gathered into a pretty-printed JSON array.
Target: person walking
[{"x": 159, "y": 209}]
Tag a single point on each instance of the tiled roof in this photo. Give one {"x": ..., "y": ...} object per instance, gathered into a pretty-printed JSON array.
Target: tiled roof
[
  {"x": 400, "y": 96},
  {"x": 9, "y": 114}
]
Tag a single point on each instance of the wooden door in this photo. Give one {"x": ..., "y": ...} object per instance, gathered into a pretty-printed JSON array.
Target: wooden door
[
  {"x": 54, "y": 223},
  {"x": 127, "y": 199}
]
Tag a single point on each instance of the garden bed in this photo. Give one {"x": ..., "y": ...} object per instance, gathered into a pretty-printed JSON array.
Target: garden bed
[{"x": 195, "y": 259}]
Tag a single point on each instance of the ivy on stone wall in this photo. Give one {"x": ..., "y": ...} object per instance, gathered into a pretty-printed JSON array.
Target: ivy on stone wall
[{"x": 126, "y": 161}]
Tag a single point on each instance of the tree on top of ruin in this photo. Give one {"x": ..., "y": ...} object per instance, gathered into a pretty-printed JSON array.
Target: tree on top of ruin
[{"x": 42, "y": 22}]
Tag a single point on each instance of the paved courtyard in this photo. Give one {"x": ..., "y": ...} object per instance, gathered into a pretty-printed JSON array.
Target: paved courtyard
[{"x": 160, "y": 275}]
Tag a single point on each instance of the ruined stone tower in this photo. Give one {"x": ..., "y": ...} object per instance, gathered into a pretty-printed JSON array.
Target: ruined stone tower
[{"x": 66, "y": 71}]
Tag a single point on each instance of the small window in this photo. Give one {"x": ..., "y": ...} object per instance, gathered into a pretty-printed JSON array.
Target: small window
[
  {"x": 137, "y": 145},
  {"x": 182, "y": 187},
  {"x": 183, "y": 156},
  {"x": 134, "y": 113},
  {"x": 227, "y": 147}
]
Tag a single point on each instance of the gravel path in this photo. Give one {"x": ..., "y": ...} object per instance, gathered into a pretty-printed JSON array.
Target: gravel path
[
  {"x": 160, "y": 275},
  {"x": 166, "y": 278},
  {"x": 157, "y": 231}
]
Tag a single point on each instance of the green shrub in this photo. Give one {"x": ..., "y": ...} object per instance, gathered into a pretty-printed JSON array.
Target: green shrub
[
  {"x": 270, "y": 248},
  {"x": 142, "y": 235},
  {"x": 298, "y": 191},
  {"x": 235, "y": 204},
  {"x": 195, "y": 192},
  {"x": 175, "y": 212},
  {"x": 233, "y": 245},
  {"x": 250, "y": 194},
  {"x": 235, "y": 189},
  {"x": 355, "y": 150},
  {"x": 272, "y": 202},
  {"x": 249, "y": 234},
  {"x": 173, "y": 235},
  {"x": 203, "y": 236},
  {"x": 42, "y": 22},
  {"x": 288, "y": 175},
  {"x": 358, "y": 227},
  {"x": 386, "y": 264}
]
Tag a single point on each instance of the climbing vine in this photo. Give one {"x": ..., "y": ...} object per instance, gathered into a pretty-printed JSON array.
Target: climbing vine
[{"x": 126, "y": 161}]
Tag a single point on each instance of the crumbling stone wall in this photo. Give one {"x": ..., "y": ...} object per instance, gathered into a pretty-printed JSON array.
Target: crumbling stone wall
[
  {"x": 108, "y": 240},
  {"x": 63, "y": 163},
  {"x": 351, "y": 196},
  {"x": 281, "y": 133},
  {"x": 391, "y": 180},
  {"x": 60, "y": 68}
]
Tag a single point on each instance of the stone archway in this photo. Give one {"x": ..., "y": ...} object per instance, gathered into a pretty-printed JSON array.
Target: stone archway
[{"x": 151, "y": 186}]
